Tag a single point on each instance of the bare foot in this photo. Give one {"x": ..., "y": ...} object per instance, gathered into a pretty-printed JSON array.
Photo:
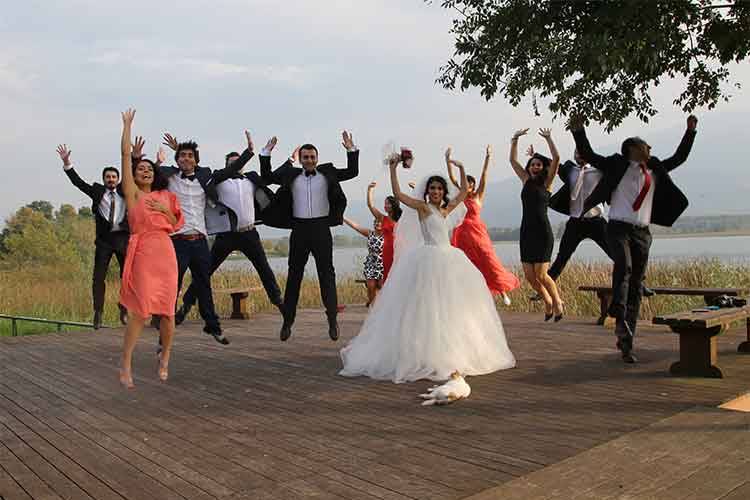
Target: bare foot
[{"x": 126, "y": 379}]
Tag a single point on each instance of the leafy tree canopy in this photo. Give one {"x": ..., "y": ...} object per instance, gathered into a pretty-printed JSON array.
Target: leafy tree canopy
[{"x": 597, "y": 57}]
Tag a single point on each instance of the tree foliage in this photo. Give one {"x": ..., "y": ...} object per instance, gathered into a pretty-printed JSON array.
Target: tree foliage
[{"x": 597, "y": 57}]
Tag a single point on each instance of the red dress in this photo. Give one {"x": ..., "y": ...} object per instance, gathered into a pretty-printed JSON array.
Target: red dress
[
  {"x": 388, "y": 227},
  {"x": 473, "y": 238},
  {"x": 149, "y": 280}
]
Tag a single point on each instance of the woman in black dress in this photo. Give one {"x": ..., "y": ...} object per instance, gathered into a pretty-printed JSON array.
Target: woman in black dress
[{"x": 536, "y": 232}]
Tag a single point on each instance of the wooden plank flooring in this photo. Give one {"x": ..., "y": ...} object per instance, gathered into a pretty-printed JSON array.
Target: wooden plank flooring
[{"x": 265, "y": 419}]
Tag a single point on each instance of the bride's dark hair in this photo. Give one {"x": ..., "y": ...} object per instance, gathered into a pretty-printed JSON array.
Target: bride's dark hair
[{"x": 440, "y": 179}]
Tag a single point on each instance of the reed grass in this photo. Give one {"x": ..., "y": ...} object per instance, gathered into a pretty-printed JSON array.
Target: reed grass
[{"x": 61, "y": 294}]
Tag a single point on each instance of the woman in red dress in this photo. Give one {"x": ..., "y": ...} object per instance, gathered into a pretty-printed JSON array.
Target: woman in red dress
[
  {"x": 473, "y": 238},
  {"x": 388, "y": 222},
  {"x": 149, "y": 280}
]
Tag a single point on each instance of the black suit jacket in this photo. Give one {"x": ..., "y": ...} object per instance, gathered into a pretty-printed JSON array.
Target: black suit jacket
[
  {"x": 96, "y": 192},
  {"x": 209, "y": 179},
  {"x": 669, "y": 201},
  {"x": 560, "y": 201},
  {"x": 285, "y": 175},
  {"x": 221, "y": 218}
]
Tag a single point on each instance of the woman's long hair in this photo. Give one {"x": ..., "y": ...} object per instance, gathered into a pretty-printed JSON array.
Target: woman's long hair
[{"x": 396, "y": 210}]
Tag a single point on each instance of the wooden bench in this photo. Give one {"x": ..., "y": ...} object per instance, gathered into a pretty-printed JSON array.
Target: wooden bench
[
  {"x": 698, "y": 333},
  {"x": 239, "y": 300},
  {"x": 604, "y": 293}
]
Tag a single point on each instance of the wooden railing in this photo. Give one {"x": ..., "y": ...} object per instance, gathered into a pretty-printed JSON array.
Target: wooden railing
[{"x": 15, "y": 319}]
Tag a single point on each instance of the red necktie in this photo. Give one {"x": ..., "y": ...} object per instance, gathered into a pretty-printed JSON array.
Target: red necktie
[{"x": 646, "y": 186}]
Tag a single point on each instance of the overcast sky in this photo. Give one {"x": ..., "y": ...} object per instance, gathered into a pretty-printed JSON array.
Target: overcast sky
[{"x": 301, "y": 70}]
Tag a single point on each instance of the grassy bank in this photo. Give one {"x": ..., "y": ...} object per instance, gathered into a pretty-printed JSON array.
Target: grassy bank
[{"x": 54, "y": 294}]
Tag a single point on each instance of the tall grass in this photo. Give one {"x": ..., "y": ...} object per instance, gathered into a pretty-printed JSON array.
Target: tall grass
[{"x": 55, "y": 294}]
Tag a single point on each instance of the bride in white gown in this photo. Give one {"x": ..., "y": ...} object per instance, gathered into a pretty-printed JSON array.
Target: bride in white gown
[{"x": 435, "y": 314}]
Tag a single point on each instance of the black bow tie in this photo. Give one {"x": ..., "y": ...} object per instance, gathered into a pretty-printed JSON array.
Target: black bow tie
[
  {"x": 308, "y": 173},
  {"x": 190, "y": 177}
]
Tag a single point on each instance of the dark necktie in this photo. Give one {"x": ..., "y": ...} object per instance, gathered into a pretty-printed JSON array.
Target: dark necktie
[
  {"x": 111, "y": 208},
  {"x": 190, "y": 177},
  {"x": 308, "y": 173},
  {"x": 644, "y": 190}
]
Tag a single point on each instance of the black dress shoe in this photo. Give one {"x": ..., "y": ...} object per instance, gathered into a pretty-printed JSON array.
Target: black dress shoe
[
  {"x": 217, "y": 335},
  {"x": 179, "y": 316},
  {"x": 286, "y": 331},
  {"x": 647, "y": 292},
  {"x": 97, "y": 320},
  {"x": 123, "y": 315},
  {"x": 547, "y": 316},
  {"x": 628, "y": 357},
  {"x": 333, "y": 329}
]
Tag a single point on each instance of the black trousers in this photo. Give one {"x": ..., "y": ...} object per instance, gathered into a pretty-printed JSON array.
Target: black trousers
[
  {"x": 195, "y": 255},
  {"x": 105, "y": 246},
  {"x": 577, "y": 230},
  {"x": 247, "y": 242},
  {"x": 310, "y": 237},
  {"x": 630, "y": 246}
]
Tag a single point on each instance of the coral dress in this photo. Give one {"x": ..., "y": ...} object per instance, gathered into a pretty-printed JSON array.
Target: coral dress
[
  {"x": 388, "y": 227},
  {"x": 473, "y": 238},
  {"x": 149, "y": 280}
]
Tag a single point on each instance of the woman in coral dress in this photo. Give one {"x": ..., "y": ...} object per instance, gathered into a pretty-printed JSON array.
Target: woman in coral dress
[
  {"x": 473, "y": 238},
  {"x": 149, "y": 280},
  {"x": 388, "y": 222}
]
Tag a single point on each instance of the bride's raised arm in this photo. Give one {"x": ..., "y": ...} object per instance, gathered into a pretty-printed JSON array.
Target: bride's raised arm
[
  {"x": 461, "y": 196},
  {"x": 401, "y": 196}
]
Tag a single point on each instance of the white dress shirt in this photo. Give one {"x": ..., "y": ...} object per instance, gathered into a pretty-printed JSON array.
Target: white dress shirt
[
  {"x": 105, "y": 205},
  {"x": 625, "y": 194},
  {"x": 239, "y": 196},
  {"x": 583, "y": 180},
  {"x": 310, "y": 196},
  {"x": 192, "y": 200}
]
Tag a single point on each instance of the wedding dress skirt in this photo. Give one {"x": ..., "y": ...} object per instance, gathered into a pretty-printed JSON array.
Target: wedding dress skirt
[{"x": 434, "y": 315}]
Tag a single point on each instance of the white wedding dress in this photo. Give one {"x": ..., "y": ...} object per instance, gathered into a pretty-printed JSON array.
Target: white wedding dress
[{"x": 434, "y": 315}]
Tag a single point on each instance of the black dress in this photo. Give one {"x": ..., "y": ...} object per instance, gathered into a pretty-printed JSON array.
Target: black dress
[{"x": 536, "y": 232}]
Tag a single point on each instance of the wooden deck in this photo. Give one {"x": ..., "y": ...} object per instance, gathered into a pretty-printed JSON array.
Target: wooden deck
[{"x": 262, "y": 419}]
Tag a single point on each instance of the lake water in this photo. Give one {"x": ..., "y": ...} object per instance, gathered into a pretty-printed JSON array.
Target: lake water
[{"x": 730, "y": 249}]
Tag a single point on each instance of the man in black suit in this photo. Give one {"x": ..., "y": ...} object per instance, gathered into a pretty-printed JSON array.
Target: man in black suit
[
  {"x": 310, "y": 201},
  {"x": 640, "y": 192},
  {"x": 195, "y": 187},
  {"x": 243, "y": 200},
  {"x": 108, "y": 206}
]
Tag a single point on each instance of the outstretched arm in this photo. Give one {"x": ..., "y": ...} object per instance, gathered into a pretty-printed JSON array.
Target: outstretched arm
[
  {"x": 84, "y": 186},
  {"x": 517, "y": 167},
  {"x": 402, "y": 197},
  {"x": 555, "y": 162},
  {"x": 225, "y": 173},
  {"x": 371, "y": 202},
  {"x": 361, "y": 230},
  {"x": 575, "y": 124},
  {"x": 483, "y": 178},
  {"x": 451, "y": 175},
  {"x": 352, "y": 158},
  {"x": 461, "y": 196},
  {"x": 683, "y": 150},
  {"x": 126, "y": 159}
]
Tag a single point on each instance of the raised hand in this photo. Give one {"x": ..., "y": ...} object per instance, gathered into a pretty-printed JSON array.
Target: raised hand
[
  {"x": 576, "y": 121},
  {"x": 394, "y": 160},
  {"x": 138, "y": 147},
  {"x": 249, "y": 139},
  {"x": 530, "y": 150},
  {"x": 295, "y": 155},
  {"x": 457, "y": 164},
  {"x": 347, "y": 140},
  {"x": 448, "y": 153},
  {"x": 128, "y": 116},
  {"x": 270, "y": 144},
  {"x": 161, "y": 156},
  {"x": 488, "y": 152},
  {"x": 546, "y": 133},
  {"x": 372, "y": 185},
  {"x": 170, "y": 141},
  {"x": 519, "y": 133},
  {"x": 64, "y": 152},
  {"x": 692, "y": 122}
]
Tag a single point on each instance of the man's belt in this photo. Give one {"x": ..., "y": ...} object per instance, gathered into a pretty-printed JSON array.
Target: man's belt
[{"x": 188, "y": 237}]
